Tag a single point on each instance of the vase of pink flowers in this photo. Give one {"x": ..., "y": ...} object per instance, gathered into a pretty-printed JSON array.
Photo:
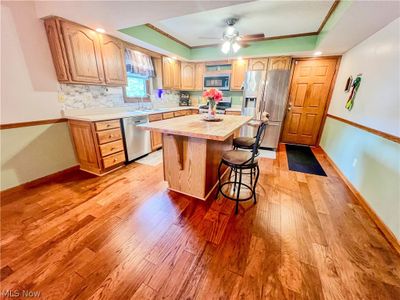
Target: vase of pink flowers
[{"x": 214, "y": 96}]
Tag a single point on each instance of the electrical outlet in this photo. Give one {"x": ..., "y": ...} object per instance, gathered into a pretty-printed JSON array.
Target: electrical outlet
[
  {"x": 61, "y": 98},
  {"x": 354, "y": 162}
]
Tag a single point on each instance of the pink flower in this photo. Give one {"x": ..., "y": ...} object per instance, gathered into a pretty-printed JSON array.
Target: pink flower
[{"x": 213, "y": 94}]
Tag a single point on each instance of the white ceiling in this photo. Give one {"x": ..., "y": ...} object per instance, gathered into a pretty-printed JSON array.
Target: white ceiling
[
  {"x": 273, "y": 18},
  {"x": 204, "y": 18},
  {"x": 359, "y": 21},
  {"x": 115, "y": 15}
]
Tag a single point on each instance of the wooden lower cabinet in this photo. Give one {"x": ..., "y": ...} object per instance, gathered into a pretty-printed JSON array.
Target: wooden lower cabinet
[
  {"x": 156, "y": 137},
  {"x": 98, "y": 145},
  {"x": 233, "y": 113}
]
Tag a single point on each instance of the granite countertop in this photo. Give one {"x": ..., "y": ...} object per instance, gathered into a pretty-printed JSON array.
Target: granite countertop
[
  {"x": 124, "y": 114},
  {"x": 194, "y": 126}
]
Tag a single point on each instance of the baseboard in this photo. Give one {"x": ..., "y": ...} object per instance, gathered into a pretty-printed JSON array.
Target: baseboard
[
  {"x": 387, "y": 233},
  {"x": 38, "y": 181}
]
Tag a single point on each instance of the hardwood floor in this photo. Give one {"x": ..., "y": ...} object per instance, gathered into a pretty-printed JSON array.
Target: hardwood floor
[{"x": 123, "y": 236}]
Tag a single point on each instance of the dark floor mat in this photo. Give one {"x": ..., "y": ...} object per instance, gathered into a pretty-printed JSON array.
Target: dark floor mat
[{"x": 302, "y": 159}]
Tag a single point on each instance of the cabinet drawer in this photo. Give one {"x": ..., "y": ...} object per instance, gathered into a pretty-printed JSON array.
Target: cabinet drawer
[
  {"x": 168, "y": 115},
  {"x": 179, "y": 113},
  {"x": 156, "y": 117},
  {"x": 103, "y": 125},
  {"x": 235, "y": 113},
  {"x": 107, "y": 136},
  {"x": 113, "y": 159},
  {"x": 110, "y": 148}
]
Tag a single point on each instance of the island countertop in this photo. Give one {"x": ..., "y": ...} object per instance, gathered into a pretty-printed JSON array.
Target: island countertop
[{"x": 194, "y": 126}]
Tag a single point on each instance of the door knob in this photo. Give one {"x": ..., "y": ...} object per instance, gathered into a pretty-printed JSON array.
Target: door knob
[{"x": 290, "y": 107}]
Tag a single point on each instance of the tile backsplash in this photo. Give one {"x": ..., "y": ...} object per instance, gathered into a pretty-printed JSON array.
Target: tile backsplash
[{"x": 78, "y": 97}]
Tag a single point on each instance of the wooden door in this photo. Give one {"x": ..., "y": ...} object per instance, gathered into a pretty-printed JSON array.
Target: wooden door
[
  {"x": 113, "y": 60},
  {"x": 167, "y": 73},
  {"x": 279, "y": 63},
  {"x": 239, "y": 68},
  {"x": 258, "y": 64},
  {"x": 83, "y": 52},
  {"x": 199, "y": 76},
  {"x": 309, "y": 91},
  {"x": 176, "y": 77},
  {"x": 187, "y": 76}
]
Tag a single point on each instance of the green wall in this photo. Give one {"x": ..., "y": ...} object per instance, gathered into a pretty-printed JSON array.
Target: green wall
[
  {"x": 148, "y": 35},
  {"x": 269, "y": 47},
  {"x": 376, "y": 174},
  {"x": 28, "y": 153}
]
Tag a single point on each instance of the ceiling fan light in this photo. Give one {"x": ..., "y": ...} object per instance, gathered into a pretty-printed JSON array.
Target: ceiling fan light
[
  {"x": 235, "y": 47},
  {"x": 230, "y": 30},
  {"x": 226, "y": 46}
]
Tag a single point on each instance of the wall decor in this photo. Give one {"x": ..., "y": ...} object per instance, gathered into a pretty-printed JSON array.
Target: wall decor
[
  {"x": 356, "y": 84},
  {"x": 349, "y": 82}
]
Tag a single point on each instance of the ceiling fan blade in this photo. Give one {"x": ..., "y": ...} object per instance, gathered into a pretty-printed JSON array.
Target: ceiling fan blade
[
  {"x": 253, "y": 37},
  {"x": 244, "y": 45}
]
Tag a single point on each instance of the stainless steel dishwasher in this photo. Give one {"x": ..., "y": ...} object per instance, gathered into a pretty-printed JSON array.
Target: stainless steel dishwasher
[{"x": 137, "y": 141}]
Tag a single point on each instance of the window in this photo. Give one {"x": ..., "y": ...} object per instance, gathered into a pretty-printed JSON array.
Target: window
[
  {"x": 137, "y": 86},
  {"x": 140, "y": 70}
]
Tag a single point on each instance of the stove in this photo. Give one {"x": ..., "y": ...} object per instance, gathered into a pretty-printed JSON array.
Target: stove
[{"x": 225, "y": 103}]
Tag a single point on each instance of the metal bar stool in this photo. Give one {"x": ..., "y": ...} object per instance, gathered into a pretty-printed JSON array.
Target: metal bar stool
[{"x": 239, "y": 160}]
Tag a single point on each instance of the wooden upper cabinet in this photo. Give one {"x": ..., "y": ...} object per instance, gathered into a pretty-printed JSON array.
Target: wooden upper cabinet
[
  {"x": 112, "y": 50},
  {"x": 258, "y": 64},
  {"x": 167, "y": 73},
  {"x": 199, "y": 76},
  {"x": 176, "y": 74},
  {"x": 279, "y": 63},
  {"x": 187, "y": 76},
  {"x": 171, "y": 73},
  {"x": 83, "y": 52},
  {"x": 57, "y": 50},
  {"x": 239, "y": 68}
]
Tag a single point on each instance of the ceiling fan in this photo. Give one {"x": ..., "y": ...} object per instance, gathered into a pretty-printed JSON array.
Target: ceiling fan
[{"x": 232, "y": 40}]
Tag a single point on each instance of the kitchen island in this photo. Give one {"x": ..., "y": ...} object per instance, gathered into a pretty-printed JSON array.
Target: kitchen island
[{"x": 192, "y": 150}]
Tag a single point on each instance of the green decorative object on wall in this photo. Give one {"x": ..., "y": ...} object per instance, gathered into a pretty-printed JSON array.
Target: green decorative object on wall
[{"x": 356, "y": 84}]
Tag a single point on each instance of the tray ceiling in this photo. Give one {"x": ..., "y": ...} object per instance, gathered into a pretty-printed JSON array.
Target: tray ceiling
[{"x": 273, "y": 18}]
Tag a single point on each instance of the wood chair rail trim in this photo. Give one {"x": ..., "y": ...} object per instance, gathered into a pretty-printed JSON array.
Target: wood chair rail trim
[
  {"x": 31, "y": 123},
  {"x": 385, "y": 135}
]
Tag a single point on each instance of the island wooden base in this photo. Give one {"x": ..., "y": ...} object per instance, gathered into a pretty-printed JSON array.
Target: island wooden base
[{"x": 191, "y": 164}]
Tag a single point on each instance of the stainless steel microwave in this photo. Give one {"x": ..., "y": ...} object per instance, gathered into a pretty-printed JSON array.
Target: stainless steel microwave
[{"x": 220, "y": 81}]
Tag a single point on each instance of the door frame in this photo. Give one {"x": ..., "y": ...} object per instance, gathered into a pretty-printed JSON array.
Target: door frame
[{"x": 329, "y": 97}]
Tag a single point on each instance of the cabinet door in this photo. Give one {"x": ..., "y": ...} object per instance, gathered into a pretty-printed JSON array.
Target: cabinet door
[
  {"x": 177, "y": 75},
  {"x": 85, "y": 145},
  {"x": 83, "y": 52},
  {"x": 239, "y": 68},
  {"x": 258, "y": 64},
  {"x": 156, "y": 140},
  {"x": 113, "y": 60},
  {"x": 167, "y": 73},
  {"x": 187, "y": 76},
  {"x": 56, "y": 49},
  {"x": 279, "y": 63},
  {"x": 199, "y": 76}
]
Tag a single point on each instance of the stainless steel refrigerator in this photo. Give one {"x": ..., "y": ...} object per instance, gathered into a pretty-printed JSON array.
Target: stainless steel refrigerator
[{"x": 266, "y": 91}]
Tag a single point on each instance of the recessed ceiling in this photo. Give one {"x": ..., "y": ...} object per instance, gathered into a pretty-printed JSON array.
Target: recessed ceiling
[{"x": 273, "y": 18}]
